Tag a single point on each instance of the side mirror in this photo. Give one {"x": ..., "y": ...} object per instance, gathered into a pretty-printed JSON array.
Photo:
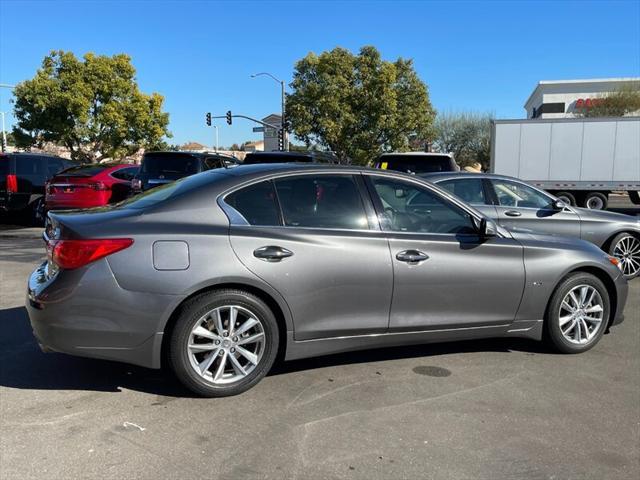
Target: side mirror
[
  {"x": 559, "y": 205},
  {"x": 487, "y": 228}
]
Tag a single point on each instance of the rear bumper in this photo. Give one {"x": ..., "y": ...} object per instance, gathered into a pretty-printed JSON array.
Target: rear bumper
[{"x": 86, "y": 313}]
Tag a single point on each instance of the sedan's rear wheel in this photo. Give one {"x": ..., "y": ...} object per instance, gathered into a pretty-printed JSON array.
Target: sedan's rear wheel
[
  {"x": 223, "y": 343},
  {"x": 626, "y": 248},
  {"x": 578, "y": 313}
]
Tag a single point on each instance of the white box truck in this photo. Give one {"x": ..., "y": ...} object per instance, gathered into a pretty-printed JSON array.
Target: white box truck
[{"x": 579, "y": 160}]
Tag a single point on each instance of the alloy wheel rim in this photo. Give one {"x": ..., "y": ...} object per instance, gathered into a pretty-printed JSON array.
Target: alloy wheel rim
[
  {"x": 226, "y": 344},
  {"x": 627, "y": 251},
  {"x": 581, "y": 314}
]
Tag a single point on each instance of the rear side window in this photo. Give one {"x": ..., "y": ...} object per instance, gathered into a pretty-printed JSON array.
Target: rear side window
[
  {"x": 468, "y": 189},
  {"x": 256, "y": 203},
  {"x": 169, "y": 163},
  {"x": 323, "y": 201},
  {"x": 4, "y": 165},
  {"x": 125, "y": 173}
]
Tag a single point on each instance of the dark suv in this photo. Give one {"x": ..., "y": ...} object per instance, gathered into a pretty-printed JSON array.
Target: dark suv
[
  {"x": 159, "y": 168},
  {"x": 417, "y": 162},
  {"x": 22, "y": 181},
  {"x": 289, "y": 157}
]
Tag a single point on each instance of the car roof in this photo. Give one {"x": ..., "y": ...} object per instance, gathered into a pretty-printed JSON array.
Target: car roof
[{"x": 436, "y": 177}]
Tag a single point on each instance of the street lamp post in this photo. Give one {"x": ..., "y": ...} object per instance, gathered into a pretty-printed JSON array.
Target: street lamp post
[
  {"x": 282, "y": 93},
  {"x": 4, "y": 133},
  {"x": 216, "y": 127}
]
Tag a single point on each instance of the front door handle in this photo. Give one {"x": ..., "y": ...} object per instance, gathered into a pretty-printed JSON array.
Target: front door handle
[
  {"x": 512, "y": 213},
  {"x": 272, "y": 253},
  {"x": 411, "y": 256}
]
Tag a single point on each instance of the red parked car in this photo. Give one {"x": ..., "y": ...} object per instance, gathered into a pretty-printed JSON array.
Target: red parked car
[{"x": 89, "y": 186}]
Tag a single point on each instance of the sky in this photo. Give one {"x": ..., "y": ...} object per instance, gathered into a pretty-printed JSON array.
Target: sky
[{"x": 473, "y": 55}]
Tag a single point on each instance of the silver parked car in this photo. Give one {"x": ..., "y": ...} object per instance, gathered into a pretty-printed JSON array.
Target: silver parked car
[
  {"x": 218, "y": 272},
  {"x": 515, "y": 204}
]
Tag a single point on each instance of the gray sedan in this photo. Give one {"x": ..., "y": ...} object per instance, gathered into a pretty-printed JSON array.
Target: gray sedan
[
  {"x": 518, "y": 205},
  {"x": 218, "y": 273}
]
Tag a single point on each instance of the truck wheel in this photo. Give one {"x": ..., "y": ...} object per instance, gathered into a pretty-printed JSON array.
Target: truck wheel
[
  {"x": 567, "y": 198},
  {"x": 595, "y": 201},
  {"x": 634, "y": 197}
]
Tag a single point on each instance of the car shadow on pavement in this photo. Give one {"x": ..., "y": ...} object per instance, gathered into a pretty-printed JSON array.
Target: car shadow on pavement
[{"x": 24, "y": 366}]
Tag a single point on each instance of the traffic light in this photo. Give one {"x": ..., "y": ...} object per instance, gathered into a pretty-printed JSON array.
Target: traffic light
[
  {"x": 229, "y": 118},
  {"x": 208, "y": 119},
  {"x": 281, "y": 139}
]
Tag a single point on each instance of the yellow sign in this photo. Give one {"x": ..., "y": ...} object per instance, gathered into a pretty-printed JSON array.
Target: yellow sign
[{"x": 384, "y": 165}]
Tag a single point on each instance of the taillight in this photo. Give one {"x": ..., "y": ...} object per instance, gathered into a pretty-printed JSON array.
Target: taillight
[
  {"x": 12, "y": 184},
  {"x": 70, "y": 254}
]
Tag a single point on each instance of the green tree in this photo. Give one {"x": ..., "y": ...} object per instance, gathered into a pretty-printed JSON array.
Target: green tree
[
  {"x": 358, "y": 105},
  {"x": 618, "y": 103},
  {"x": 92, "y": 106},
  {"x": 467, "y": 135}
]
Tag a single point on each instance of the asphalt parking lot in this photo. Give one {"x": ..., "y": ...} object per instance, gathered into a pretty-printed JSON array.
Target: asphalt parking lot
[{"x": 484, "y": 410}]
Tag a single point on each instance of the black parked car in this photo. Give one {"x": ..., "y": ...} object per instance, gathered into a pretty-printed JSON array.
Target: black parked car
[
  {"x": 417, "y": 162},
  {"x": 159, "y": 168},
  {"x": 22, "y": 181},
  {"x": 290, "y": 157}
]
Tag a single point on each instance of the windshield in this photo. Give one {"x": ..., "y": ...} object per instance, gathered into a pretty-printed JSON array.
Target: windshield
[
  {"x": 415, "y": 163},
  {"x": 169, "y": 163},
  {"x": 252, "y": 159},
  {"x": 84, "y": 171}
]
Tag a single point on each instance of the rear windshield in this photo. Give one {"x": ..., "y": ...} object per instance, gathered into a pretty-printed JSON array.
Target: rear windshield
[
  {"x": 169, "y": 163},
  {"x": 4, "y": 165},
  {"x": 84, "y": 171},
  {"x": 415, "y": 164},
  {"x": 252, "y": 159}
]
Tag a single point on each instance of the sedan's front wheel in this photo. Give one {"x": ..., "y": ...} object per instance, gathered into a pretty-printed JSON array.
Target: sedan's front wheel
[
  {"x": 223, "y": 343},
  {"x": 578, "y": 313}
]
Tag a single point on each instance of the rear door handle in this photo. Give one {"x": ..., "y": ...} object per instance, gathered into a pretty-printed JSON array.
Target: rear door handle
[
  {"x": 512, "y": 213},
  {"x": 272, "y": 253},
  {"x": 411, "y": 256}
]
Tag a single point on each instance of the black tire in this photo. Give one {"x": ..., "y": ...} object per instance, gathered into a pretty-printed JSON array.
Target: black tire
[
  {"x": 597, "y": 198},
  {"x": 634, "y": 196},
  {"x": 37, "y": 212},
  {"x": 194, "y": 309},
  {"x": 631, "y": 266},
  {"x": 552, "y": 330},
  {"x": 566, "y": 197}
]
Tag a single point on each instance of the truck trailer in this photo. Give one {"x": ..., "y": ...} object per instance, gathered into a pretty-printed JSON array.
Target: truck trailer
[{"x": 579, "y": 160}]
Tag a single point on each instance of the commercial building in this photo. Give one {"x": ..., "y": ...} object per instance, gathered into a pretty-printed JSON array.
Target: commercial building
[{"x": 567, "y": 98}]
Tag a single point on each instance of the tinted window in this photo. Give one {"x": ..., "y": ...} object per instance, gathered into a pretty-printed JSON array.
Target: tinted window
[
  {"x": 4, "y": 166},
  {"x": 125, "y": 173},
  {"x": 416, "y": 163},
  {"x": 513, "y": 194},
  {"x": 169, "y": 163},
  {"x": 84, "y": 171},
  {"x": 411, "y": 208},
  {"x": 212, "y": 162},
  {"x": 31, "y": 166},
  {"x": 54, "y": 165},
  {"x": 256, "y": 203},
  {"x": 323, "y": 201},
  {"x": 468, "y": 189},
  {"x": 252, "y": 159}
]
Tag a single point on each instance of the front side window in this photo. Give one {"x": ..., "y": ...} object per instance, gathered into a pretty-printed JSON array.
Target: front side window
[
  {"x": 321, "y": 201},
  {"x": 411, "y": 208},
  {"x": 513, "y": 194},
  {"x": 256, "y": 203},
  {"x": 468, "y": 189}
]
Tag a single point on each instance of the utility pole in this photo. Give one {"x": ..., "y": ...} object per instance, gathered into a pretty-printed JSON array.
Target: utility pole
[
  {"x": 283, "y": 111},
  {"x": 216, "y": 127}
]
